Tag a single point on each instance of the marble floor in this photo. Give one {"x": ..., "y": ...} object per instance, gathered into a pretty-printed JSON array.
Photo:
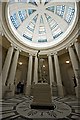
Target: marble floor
[{"x": 18, "y": 108}]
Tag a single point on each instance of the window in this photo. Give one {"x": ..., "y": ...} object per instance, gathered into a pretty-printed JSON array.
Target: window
[
  {"x": 50, "y": 8},
  {"x": 30, "y": 11},
  {"x": 57, "y": 34},
  {"x": 54, "y": 26},
  {"x": 35, "y": 18},
  {"x": 22, "y": 15},
  {"x": 41, "y": 19},
  {"x": 27, "y": 37},
  {"x": 42, "y": 30},
  {"x": 15, "y": 20},
  {"x": 60, "y": 10},
  {"x": 70, "y": 14},
  {"x": 31, "y": 27},
  {"x": 42, "y": 40},
  {"x": 48, "y": 18}
]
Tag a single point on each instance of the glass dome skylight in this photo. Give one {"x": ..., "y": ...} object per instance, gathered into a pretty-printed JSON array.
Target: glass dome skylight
[{"x": 41, "y": 23}]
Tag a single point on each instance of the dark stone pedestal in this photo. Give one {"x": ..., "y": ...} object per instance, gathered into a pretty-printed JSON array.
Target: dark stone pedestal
[
  {"x": 40, "y": 106},
  {"x": 42, "y": 98}
]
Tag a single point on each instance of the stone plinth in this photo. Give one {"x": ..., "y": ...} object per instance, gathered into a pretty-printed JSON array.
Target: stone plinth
[{"x": 42, "y": 97}]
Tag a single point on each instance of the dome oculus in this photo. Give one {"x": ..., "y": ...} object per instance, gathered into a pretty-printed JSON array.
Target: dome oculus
[{"x": 40, "y": 24}]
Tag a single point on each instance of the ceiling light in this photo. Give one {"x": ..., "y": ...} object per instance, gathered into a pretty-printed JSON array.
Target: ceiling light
[
  {"x": 67, "y": 61},
  {"x": 20, "y": 63},
  {"x": 43, "y": 65}
]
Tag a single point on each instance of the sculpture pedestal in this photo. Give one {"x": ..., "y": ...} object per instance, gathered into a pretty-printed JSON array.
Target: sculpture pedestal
[{"x": 42, "y": 97}]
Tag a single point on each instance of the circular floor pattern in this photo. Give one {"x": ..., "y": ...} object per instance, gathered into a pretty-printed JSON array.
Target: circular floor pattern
[
  {"x": 18, "y": 108},
  {"x": 61, "y": 110}
]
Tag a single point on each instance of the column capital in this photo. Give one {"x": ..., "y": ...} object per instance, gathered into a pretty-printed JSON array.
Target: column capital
[
  {"x": 35, "y": 55},
  {"x": 55, "y": 53},
  {"x": 12, "y": 45},
  {"x": 49, "y": 54},
  {"x": 30, "y": 54},
  {"x": 15, "y": 47},
  {"x": 69, "y": 46},
  {"x": 76, "y": 40}
]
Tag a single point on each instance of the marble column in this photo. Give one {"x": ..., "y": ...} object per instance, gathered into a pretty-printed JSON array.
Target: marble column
[
  {"x": 0, "y": 58},
  {"x": 51, "y": 73},
  {"x": 11, "y": 79},
  {"x": 77, "y": 47},
  {"x": 76, "y": 69},
  {"x": 58, "y": 76},
  {"x": 6, "y": 66},
  {"x": 29, "y": 76},
  {"x": 36, "y": 70},
  {"x": 5, "y": 70}
]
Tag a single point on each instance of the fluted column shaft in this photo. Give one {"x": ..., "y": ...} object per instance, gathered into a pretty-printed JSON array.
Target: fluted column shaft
[
  {"x": 58, "y": 76},
  {"x": 76, "y": 69},
  {"x": 13, "y": 68},
  {"x": 36, "y": 70},
  {"x": 74, "y": 63},
  {"x": 0, "y": 58},
  {"x": 6, "y": 66},
  {"x": 77, "y": 47},
  {"x": 51, "y": 73},
  {"x": 10, "y": 90},
  {"x": 29, "y": 76}
]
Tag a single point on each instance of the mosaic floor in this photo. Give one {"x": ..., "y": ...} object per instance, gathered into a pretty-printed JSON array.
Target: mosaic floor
[{"x": 18, "y": 108}]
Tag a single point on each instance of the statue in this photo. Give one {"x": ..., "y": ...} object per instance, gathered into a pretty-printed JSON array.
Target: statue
[{"x": 42, "y": 97}]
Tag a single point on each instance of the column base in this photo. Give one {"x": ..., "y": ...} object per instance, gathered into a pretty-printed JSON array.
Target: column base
[
  {"x": 8, "y": 91},
  {"x": 60, "y": 91},
  {"x": 28, "y": 90},
  {"x": 77, "y": 91},
  {"x": 4, "y": 89},
  {"x": 54, "y": 90}
]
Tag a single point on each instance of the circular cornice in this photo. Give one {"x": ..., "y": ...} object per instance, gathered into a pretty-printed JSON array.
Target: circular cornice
[{"x": 61, "y": 45}]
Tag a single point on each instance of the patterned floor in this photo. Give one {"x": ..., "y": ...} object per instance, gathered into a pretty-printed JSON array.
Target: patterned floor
[{"x": 18, "y": 108}]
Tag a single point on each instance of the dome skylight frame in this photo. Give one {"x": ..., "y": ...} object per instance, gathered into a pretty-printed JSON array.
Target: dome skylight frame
[{"x": 40, "y": 45}]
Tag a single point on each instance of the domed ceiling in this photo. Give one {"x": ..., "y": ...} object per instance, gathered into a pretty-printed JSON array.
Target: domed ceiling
[{"x": 41, "y": 23}]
